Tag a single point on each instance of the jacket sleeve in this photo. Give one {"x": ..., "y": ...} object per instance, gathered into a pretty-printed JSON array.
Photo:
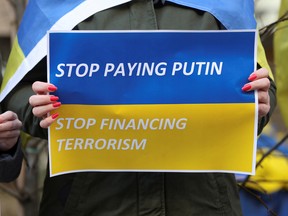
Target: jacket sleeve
[
  {"x": 11, "y": 163},
  {"x": 18, "y": 100}
]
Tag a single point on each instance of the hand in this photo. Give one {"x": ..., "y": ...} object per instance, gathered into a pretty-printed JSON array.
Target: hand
[
  {"x": 10, "y": 127},
  {"x": 43, "y": 103},
  {"x": 259, "y": 81}
]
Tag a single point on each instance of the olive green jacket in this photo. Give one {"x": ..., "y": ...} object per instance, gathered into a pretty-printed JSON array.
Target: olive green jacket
[{"x": 134, "y": 193}]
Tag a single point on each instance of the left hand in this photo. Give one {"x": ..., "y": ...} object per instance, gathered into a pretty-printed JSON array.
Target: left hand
[{"x": 259, "y": 81}]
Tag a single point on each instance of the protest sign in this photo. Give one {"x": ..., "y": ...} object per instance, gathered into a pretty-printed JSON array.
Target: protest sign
[{"x": 153, "y": 101}]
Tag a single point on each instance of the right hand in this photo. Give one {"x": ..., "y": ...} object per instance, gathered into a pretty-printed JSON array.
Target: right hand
[
  {"x": 43, "y": 103},
  {"x": 10, "y": 127}
]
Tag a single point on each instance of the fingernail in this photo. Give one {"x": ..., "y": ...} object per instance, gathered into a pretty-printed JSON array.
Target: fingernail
[
  {"x": 246, "y": 87},
  {"x": 57, "y": 104},
  {"x": 54, "y": 98},
  {"x": 52, "y": 88},
  {"x": 54, "y": 116},
  {"x": 252, "y": 77}
]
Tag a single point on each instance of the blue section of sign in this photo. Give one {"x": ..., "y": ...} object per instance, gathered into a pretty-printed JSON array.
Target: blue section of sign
[{"x": 151, "y": 67}]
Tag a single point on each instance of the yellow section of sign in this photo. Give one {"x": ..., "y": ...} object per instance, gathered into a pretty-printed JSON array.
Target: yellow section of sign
[{"x": 176, "y": 137}]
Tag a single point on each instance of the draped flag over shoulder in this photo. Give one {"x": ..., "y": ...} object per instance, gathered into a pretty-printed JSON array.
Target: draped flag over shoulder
[
  {"x": 30, "y": 45},
  {"x": 236, "y": 14},
  {"x": 281, "y": 56}
]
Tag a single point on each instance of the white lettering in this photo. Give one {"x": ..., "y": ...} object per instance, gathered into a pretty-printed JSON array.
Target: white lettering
[
  {"x": 76, "y": 123},
  {"x": 101, "y": 144}
]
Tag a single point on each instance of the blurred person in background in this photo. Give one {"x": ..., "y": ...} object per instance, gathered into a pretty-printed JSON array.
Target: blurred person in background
[{"x": 10, "y": 147}]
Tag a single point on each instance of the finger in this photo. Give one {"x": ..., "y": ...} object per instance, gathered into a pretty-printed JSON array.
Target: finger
[
  {"x": 259, "y": 74},
  {"x": 40, "y": 100},
  {"x": 9, "y": 134},
  {"x": 43, "y": 87},
  {"x": 260, "y": 84},
  {"x": 8, "y": 116},
  {"x": 41, "y": 111},
  {"x": 263, "y": 97},
  {"x": 45, "y": 123},
  {"x": 263, "y": 109},
  {"x": 10, "y": 125}
]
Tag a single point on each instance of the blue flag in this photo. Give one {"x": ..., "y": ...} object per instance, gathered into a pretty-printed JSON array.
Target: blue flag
[{"x": 30, "y": 44}]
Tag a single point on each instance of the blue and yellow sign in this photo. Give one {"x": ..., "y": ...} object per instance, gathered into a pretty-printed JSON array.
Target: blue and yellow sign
[{"x": 153, "y": 101}]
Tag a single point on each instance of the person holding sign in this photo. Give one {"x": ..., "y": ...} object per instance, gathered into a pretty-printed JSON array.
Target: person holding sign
[{"x": 141, "y": 193}]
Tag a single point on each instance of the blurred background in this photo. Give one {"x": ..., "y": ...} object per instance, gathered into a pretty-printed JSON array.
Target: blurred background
[{"x": 263, "y": 194}]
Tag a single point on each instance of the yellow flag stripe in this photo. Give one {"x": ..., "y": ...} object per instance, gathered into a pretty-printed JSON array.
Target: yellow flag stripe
[{"x": 16, "y": 58}]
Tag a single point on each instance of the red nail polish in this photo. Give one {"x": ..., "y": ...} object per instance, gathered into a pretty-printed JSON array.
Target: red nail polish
[
  {"x": 54, "y": 116},
  {"x": 52, "y": 88},
  {"x": 54, "y": 98},
  {"x": 246, "y": 87},
  {"x": 57, "y": 104},
  {"x": 252, "y": 77}
]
